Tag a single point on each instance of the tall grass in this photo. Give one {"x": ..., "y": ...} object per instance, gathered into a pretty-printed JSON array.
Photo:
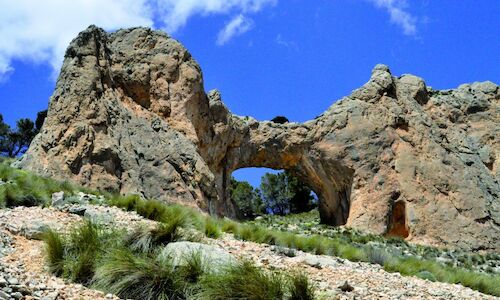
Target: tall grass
[
  {"x": 243, "y": 281},
  {"x": 147, "y": 239},
  {"x": 212, "y": 229},
  {"x": 75, "y": 255},
  {"x": 489, "y": 284},
  {"x": 344, "y": 247},
  {"x": 91, "y": 255},
  {"x": 133, "y": 276},
  {"x": 54, "y": 249},
  {"x": 26, "y": 189},
  {"x": 301, "y": 287}
]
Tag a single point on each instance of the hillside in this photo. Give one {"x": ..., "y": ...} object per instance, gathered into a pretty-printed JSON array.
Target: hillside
[{"x": 63, "y": 231}]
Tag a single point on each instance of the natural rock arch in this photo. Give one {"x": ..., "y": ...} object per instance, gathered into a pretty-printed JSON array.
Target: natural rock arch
[
  {"x": 130, "y": 114},
  {"x": 280, "y": 146}
]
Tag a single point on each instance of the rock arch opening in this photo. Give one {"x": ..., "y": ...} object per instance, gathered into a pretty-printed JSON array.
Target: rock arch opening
[
  {"x": 328, "y": 179},
  {"x": 257, "y": 191}
]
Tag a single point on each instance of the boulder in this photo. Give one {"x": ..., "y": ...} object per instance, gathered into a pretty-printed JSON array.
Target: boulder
[
  {"x": 212, "y": 257},
  {"x": 95, "y": 215},
  {"x": 58, "y": 199},
  {"x": 130, "y": 114}
]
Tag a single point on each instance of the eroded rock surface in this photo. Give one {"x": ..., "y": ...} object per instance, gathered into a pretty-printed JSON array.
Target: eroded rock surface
[{"x": 130, "y": 114}]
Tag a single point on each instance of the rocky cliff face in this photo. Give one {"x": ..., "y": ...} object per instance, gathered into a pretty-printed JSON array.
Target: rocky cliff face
[{"x": 130, "y": 114}]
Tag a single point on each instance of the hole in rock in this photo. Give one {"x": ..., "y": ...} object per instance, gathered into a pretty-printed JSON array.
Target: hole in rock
[
  {"x": 397, "y": 220},
  {"x": 257, "y": 191}
]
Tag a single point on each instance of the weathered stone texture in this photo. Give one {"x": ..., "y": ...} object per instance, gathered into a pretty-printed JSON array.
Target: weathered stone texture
[{"x": 130, "y": 114}]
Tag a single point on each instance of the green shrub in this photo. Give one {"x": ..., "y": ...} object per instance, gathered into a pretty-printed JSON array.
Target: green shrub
[
  {"x": 242, "y": 281},
  {"x": 426, "y": 275},
  {"x": 411, "y": 266},
  {"x": 314, "y": 244},
  {"x": 352, "y": 253},
  {"x": 26, "y": 189},
  {"x": 256, "y": 234},
  {"x": 151, "y": 209},
  {"x": 376, "y": 256},
  {"x": 244, "y": 232},
  {"x": 128, "y": 202},
  {"x": 84, "y": 247}
]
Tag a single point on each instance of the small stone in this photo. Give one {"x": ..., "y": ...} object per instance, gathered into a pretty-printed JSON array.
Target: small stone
[
  {"x": 77, "y": 210},
  {"x": 346, "y": 287},
  {"x": 51, "y": 296},
  {"x": 12, "y": 281},
  {"x": 4, "y": 295}
]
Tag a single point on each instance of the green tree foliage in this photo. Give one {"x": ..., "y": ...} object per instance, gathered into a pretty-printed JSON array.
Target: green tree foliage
[
  {"x": 40, "y": 118},
  {"x": 247, "y": 199},
  {"x": 284, "y": 193},
  {"x": 15, "y": 142},
  {"x": 4, "y": 131}
]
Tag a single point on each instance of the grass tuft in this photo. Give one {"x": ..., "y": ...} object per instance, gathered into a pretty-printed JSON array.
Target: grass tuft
[
  {"x": 301, "y": 287},
  {"x": 84, "y": 247},
  {"x": 212, "y": 229},
  {"x": 147, "y": 239},
  {"x": 242, "y": 281},
  {"x": 133, "y": 276},
  {"x": 54, "y": 250},
  {"x": 193, "y": 269}
]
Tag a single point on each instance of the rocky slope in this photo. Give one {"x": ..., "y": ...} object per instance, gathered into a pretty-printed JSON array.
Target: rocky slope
[
  {"x": 24, "y": 276},
  {"x": 129, "y": 113}
]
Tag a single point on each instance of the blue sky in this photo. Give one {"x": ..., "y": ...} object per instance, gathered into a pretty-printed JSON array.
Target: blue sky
[{"x": 267, "y": 57}]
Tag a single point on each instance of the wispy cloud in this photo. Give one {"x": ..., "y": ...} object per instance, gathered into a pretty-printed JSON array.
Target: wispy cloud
[
  {"x": 237, "y": 26},
  {"x": 398, "y": 14},
  {"x": 286, "y": 43},
  {"x": 175, "y": 13}
]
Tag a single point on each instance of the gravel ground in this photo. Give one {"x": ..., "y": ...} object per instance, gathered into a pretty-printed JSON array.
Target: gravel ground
[
  {"x": 23, "y": 275},
  {"x": 369, "y": 281}
]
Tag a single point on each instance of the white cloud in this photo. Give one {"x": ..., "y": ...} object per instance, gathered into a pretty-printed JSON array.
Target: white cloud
[
  {"x": 398, "y": 14},
  {"x": 237, "y": 26},
  {"x": 39, "y": 31},
  {"x": 175, "y": 13}
]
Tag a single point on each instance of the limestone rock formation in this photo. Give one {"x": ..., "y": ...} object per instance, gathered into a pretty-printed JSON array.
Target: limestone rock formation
[{"x": 130, "y": 114}]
